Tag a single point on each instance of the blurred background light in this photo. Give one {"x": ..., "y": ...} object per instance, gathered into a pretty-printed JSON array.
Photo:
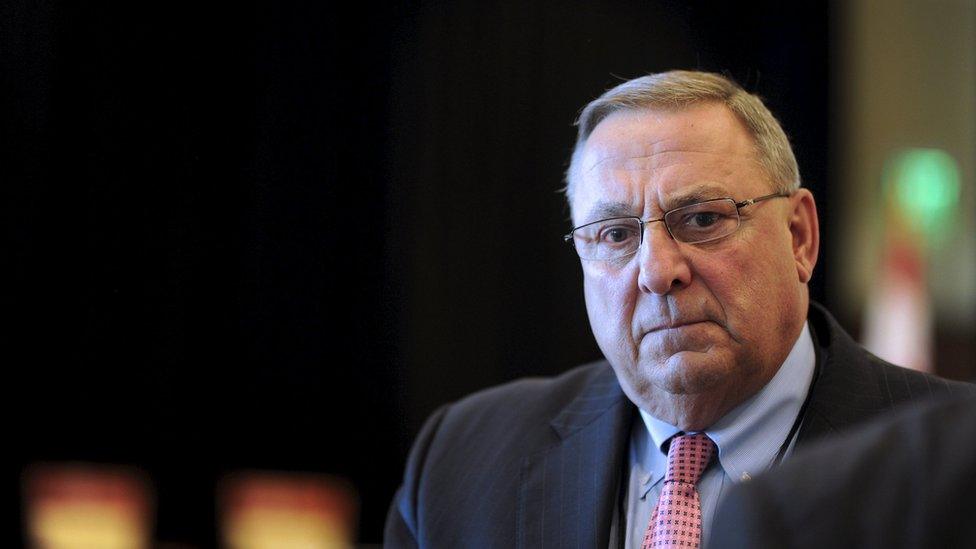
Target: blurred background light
[
  {"x": 925, "y": 185},
  {"x": 904, "y": 251},
  {"x": 84, "y": 506},
  {"x": 269, "y": 510}
]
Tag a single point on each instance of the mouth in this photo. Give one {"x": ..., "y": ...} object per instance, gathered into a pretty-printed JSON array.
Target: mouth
[{"x": 676, "y": 325}]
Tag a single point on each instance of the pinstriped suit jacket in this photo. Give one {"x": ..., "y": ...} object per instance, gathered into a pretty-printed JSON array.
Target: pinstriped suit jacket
[{"x": 538, "y": 462}]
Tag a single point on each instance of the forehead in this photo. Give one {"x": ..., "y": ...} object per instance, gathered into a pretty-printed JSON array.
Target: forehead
[{"x": 647, "y": 159}]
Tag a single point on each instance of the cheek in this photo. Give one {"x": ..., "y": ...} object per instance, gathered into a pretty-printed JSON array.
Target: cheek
[
  {"x": 731, "y": 283},
  {"x": 610, "y": 296},
  {"x": 751, "y": 285}
]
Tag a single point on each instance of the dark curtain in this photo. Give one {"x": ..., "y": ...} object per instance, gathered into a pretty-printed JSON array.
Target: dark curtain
[{"x": 277, "y": 236}]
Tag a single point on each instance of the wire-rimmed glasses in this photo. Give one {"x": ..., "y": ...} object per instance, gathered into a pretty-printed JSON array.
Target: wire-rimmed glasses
[{"x": 619, "y": 237}]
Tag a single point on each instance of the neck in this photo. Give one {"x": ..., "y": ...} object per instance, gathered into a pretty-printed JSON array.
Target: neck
[{"x": 692, "y": 413}]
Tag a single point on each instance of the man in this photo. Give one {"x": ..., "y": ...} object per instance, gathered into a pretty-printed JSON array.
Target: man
[
  {"x": 696, "y": 244},
  {"x": 904, "y": 481}
]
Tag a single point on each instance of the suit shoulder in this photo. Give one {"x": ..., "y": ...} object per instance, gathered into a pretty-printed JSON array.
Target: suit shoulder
[
  {"x": 525, "y": 407},
  {"x": 912, "y": 383},
  {"x": 899, "y": 385},
  {"x": 854, "y": 385},
  {"x": 852, "y": 373},
  {"x": 518, "y": 412},
  {"x": 538, "y": 393}
]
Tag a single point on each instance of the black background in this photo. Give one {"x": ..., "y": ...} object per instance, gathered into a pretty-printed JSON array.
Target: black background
[{"x": 277, "y": 236}]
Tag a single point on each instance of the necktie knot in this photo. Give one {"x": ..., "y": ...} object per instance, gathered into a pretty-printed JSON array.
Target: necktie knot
[{"x": 688, "y": 457}]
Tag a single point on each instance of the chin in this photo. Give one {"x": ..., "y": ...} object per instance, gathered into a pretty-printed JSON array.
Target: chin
[
  {"x": 688, "y": 389},
  {"x": 690, "y": 373}
]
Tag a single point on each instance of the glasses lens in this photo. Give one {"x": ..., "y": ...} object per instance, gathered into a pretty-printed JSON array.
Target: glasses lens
[
  {"x": 703, "y": 221},
  {"x": 608, "y": 239}
]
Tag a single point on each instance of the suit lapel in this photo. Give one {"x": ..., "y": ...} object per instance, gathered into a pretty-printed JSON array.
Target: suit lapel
[{"x": 569, "y": 492}]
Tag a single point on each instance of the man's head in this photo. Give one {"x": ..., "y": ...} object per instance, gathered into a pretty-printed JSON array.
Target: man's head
[{"x": 692, "y": 330}]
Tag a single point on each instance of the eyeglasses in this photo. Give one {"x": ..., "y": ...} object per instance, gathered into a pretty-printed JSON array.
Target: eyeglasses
[{"x": 619, "y": 237}]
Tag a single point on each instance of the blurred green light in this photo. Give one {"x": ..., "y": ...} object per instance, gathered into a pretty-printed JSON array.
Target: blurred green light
[{"x": 925, "y": 185}]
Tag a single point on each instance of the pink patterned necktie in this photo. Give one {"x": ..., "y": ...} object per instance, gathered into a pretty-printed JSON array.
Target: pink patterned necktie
[{"x": 676, "y": 520}]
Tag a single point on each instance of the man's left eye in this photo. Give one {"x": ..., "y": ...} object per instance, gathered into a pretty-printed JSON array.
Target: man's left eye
[{"x": 704, "y": 219}]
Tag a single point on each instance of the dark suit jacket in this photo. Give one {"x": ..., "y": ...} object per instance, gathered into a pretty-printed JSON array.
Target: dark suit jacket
[
  {"x": 538, "y": 462},
  {"x": 903, "y": 481}
]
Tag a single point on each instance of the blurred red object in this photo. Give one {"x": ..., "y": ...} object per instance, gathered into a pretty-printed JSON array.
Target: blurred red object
[
  {"x": 260, "y": 510},
  {"x": 75, "y": 505}
]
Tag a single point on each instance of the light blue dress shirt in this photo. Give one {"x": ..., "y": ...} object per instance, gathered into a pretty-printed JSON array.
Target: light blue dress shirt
[{"x": 748, "y": 438}]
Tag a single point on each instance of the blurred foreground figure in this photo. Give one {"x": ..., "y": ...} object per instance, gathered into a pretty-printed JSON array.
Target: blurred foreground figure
[
  {"x": 696, "y": 244},
  {"x": 903, "y": 482}
]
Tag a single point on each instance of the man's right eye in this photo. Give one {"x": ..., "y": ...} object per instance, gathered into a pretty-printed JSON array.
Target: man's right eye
[{"x": 617, "y": 234}]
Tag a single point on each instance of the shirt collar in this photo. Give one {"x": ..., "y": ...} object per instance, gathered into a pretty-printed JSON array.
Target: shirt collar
[{"x": 749, "y": 436}]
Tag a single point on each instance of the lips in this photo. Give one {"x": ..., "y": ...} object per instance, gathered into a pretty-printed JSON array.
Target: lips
[
  {"x": 674, "y": 325},
  {"x": 660, "y": 317}
]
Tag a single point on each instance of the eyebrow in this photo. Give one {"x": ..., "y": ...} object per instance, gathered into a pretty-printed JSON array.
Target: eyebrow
[
  {"x": 698, "y": 193},
  {"x": 606, "y": 210}
]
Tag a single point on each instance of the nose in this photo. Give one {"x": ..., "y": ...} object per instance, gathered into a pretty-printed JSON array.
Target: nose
[{"x": 663, "y": 266}]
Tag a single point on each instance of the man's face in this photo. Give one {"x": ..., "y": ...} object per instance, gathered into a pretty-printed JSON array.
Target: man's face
[{"x": 691, "y": 330}]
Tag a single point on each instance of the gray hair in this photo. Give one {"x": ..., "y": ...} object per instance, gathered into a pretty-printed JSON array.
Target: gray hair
[{"x": 677, "y": 89}]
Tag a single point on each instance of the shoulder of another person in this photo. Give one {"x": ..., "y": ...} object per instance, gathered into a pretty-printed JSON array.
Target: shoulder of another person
[{"x": 874, "y": 466}]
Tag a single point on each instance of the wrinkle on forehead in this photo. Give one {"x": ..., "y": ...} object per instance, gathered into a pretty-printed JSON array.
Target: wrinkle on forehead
[
  {"x": 634, "y": 153},
  {"x": 654, "y": 161},
  {"x": 652, "y": 133},
  {"x": 656, "y": 155}
]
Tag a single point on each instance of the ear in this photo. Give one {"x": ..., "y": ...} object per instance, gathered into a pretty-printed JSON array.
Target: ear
[{"x": 805, "y": 228}]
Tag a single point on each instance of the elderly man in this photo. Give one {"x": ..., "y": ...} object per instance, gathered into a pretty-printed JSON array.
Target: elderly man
[{"x": 696, "y": 244}]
